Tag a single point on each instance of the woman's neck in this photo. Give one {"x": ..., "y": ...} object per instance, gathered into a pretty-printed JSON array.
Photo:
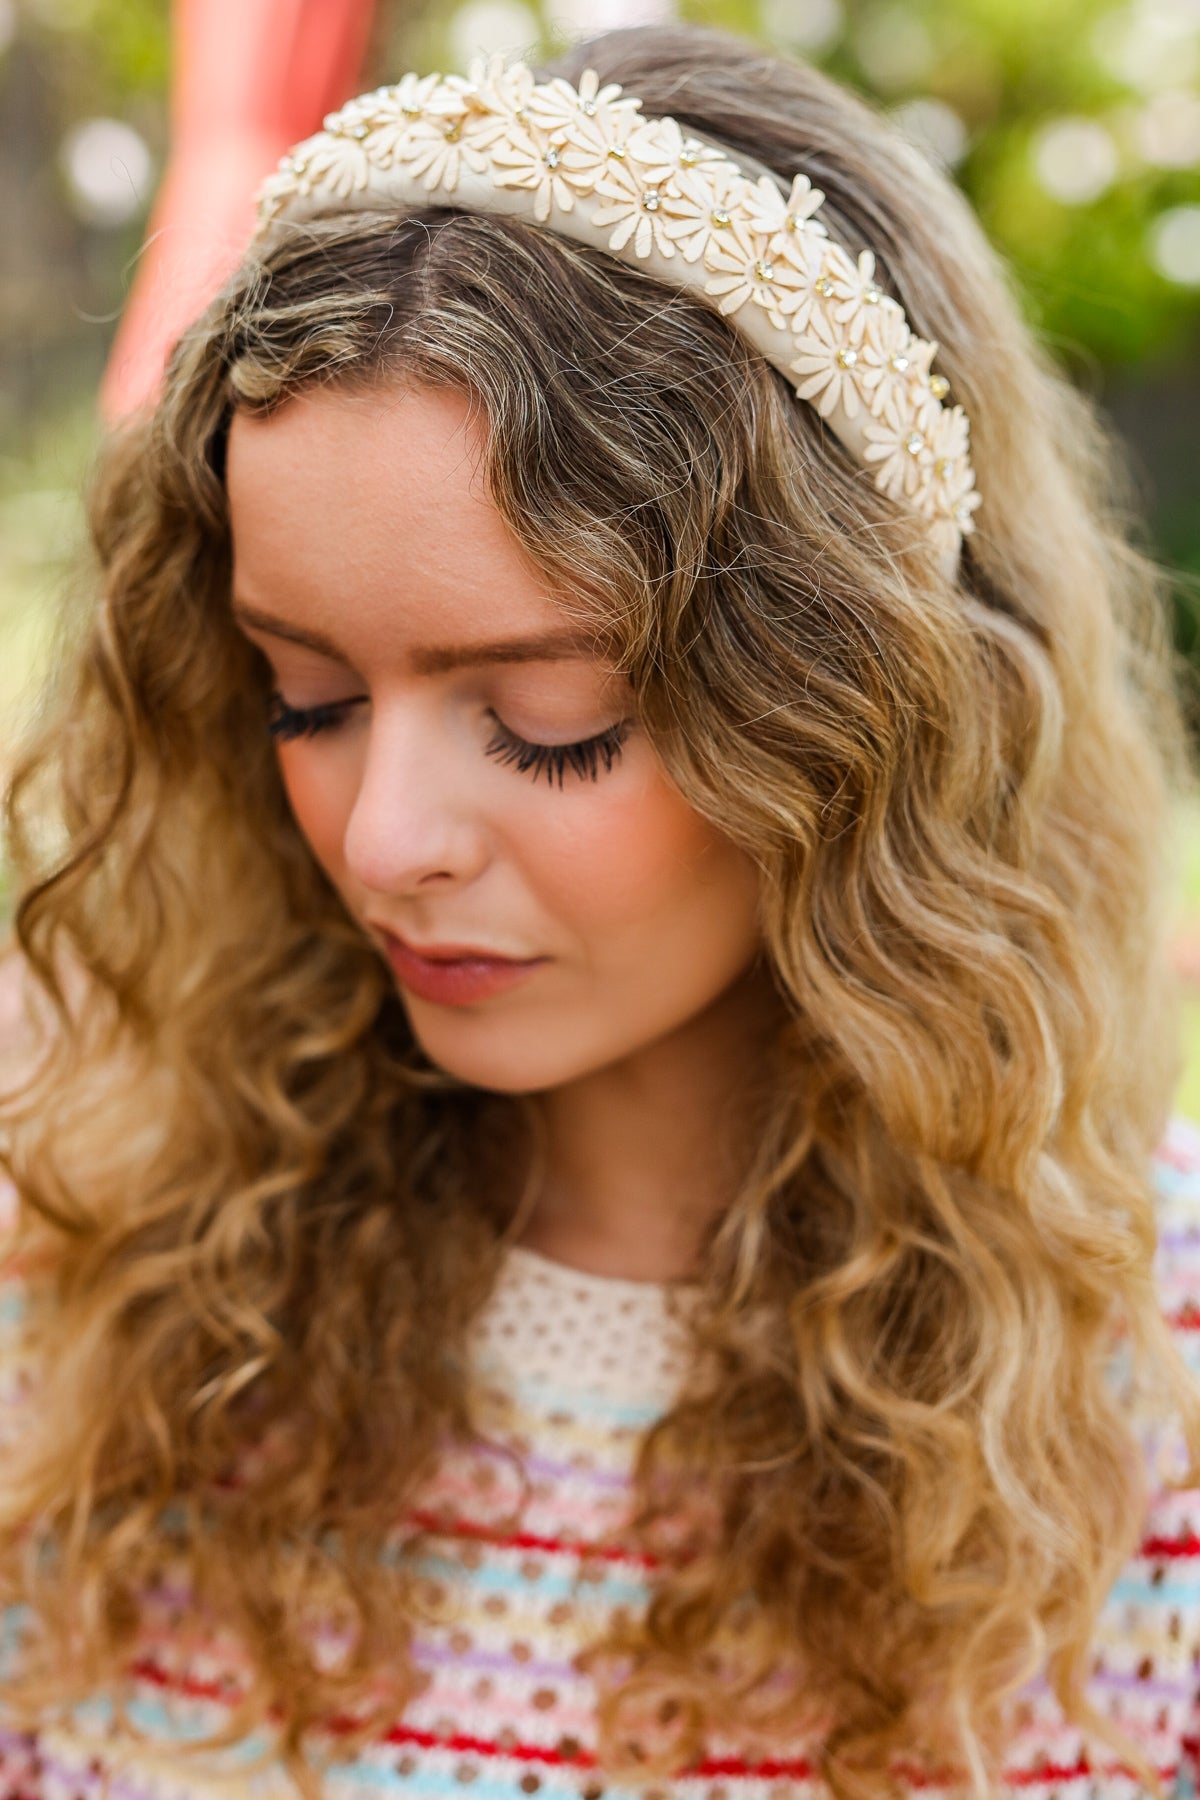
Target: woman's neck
[{"x": 643, "y": 1155}]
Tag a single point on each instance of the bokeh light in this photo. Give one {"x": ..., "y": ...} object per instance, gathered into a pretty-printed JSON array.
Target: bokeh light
[
  {"x": 108, "y": 170},
  {"x": 577, "y": 18},
  {"x": 1075, "y": 159},
  {"x": 934, "y": 128},
  {"x": 895, "y": 48},
  {"x": 1151, "y": 44},
  {"x": 488, "y": 27},
  {"x": 1166, "y": 130},
  {"x": 1174, "y": 245},
  {"x": 810, "y": 26}
]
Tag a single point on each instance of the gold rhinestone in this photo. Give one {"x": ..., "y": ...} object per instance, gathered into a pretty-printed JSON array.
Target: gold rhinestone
[
  {"x": 898, "y": 361},
  {"x": 847, "y": 357},
  {"x": 939, "y": 387},
  {"x": 454, "y": 131},
  {"x": 792, "y": 222},
  {"x": 720, "y": 216},
  {"x": 551, "y": 158},
  {"x": 764, "y": 271},
  {"x": 914, "y": 443},
  {"x": 944, "y": 466},
  {"x": 650, "y": 200},
  {"x": 360, "y": 132},
  {"x": 617, "y": 152},
  {"x": 824, "y": 285},
  {"x": 872, "y": 296},
  {"x": 521, "y": 114},
  {"x": 689, "y": 156}
]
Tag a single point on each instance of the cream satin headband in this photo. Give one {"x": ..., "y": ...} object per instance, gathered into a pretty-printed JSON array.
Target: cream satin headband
[{"x": 586, "y": 163}]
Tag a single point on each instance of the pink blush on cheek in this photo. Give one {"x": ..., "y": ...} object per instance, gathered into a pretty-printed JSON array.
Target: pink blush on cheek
[
  {"x": 617, "y": 864},
  {"x": 321, "y": 799}
]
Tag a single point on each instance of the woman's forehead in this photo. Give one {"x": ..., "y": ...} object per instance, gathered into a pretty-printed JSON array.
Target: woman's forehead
[{"x": 365, "y": 515}]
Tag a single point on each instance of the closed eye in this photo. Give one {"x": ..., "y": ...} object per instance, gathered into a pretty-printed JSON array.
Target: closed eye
[
  {"x": 287, "y": 722},
  {"x": 583, "y": 758}
]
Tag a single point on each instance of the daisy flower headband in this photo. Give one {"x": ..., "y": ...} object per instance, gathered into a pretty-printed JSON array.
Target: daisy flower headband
[{"x": 586, "y": 163}]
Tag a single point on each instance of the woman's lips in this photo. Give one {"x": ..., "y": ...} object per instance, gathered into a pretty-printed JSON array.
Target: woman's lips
[{"x": 455, "y": 981}]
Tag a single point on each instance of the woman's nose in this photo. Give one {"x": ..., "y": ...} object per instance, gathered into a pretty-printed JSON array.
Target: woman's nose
[{"x": 416, "y": 816}]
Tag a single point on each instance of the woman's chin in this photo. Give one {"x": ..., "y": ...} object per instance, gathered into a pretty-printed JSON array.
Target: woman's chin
[{"x": 500, "y": 1056}]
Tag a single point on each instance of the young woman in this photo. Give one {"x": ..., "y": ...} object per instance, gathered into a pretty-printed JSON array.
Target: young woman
[{"x": 595, "y": 1206}]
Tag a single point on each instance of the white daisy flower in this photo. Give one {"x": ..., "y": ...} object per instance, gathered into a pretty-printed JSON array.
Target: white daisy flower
[
  {"x": 785, "y": 215},
  {"x": 704, "y": 204},
  {"x": 414, "y": 95},
  {"x": 437, "y": 153},
  {"x": 662, "y": 148},
  {"x": 744, "y": 268},
  {"x": 555, "y": 105},
  {"x": 887, "y": 364},
  {"x": 952, "y": 481},
  {"x": 633, "y": 211},
  {"x": 603, "y": 128},
  {"x": 828, "y": 367},
  {"x": 274, "y": 193},
  {"x": 955, "y": 505},
  {"x": 921, "y": 352},
  {"x": 492, "y": 85},
  {"x": 521, "y": 161},
  {"x": 855, "y": 289},
  {"x": 903, "y": 451},
  {"x": 336, "y": 165}
]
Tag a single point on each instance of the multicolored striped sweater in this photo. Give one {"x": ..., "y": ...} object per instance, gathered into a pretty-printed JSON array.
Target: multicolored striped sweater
[{"x": 577, "y": 1366}]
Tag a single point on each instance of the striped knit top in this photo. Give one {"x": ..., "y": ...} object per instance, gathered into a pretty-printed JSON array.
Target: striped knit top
[{"x": 575, "y": 1367}]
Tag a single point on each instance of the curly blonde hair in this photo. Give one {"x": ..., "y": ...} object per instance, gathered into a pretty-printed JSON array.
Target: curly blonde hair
[{"x": 265, "y": 1217}]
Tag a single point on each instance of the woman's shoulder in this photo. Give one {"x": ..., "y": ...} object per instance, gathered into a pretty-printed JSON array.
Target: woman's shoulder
[{"x": 1147, "y": 1642}]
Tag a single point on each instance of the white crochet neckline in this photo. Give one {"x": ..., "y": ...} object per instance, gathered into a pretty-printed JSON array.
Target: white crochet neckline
[{"x": 548, "y": 1325}]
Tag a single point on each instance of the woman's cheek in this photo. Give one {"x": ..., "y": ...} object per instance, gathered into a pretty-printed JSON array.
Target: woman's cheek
[
  {"x": 619, "y": 859},
  {"x": 320, "y": 791}
]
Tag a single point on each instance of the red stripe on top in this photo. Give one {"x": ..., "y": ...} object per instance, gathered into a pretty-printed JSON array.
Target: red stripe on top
[
  {"x": 527, "y": 1540},
  {"x": 1162, "y": 1549}
]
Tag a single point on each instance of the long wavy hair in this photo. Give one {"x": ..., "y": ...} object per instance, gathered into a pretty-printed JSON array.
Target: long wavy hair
[{"x": 263, "y": 1217}]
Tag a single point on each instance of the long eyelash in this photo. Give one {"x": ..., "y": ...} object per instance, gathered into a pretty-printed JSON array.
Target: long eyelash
[
  {"x": 583, "y": 758},
  {"x": 288, "y": 722}
]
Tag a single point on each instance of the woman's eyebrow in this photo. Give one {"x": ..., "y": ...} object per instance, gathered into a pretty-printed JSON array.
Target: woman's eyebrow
[{"x": 435, "y": 659}]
